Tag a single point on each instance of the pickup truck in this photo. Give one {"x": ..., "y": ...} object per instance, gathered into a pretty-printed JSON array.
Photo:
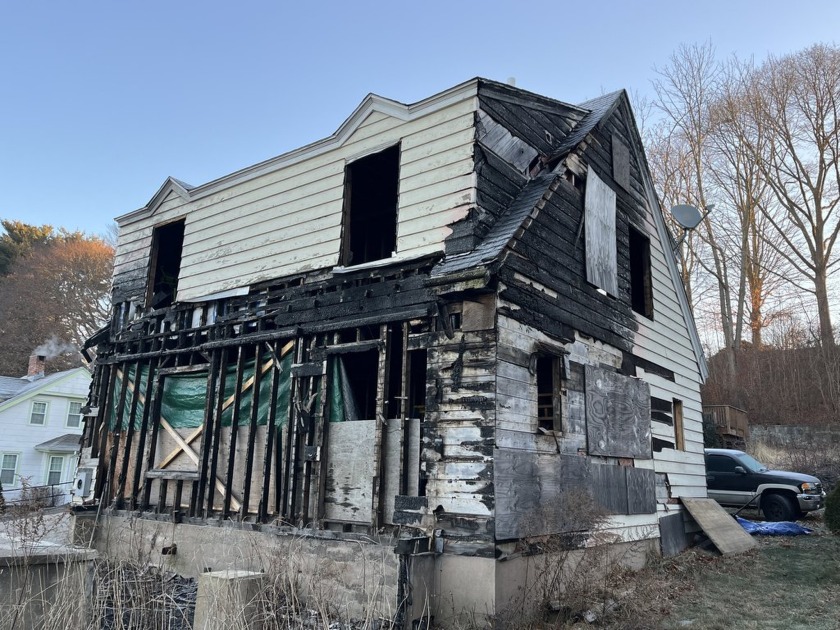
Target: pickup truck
[{"x": 735, "y": 479}]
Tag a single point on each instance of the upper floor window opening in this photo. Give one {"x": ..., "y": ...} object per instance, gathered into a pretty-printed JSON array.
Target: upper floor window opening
[
  {"x": 165, "y": 264},
  {"x": 371, "y": 194},
  {"x": 641, "y": 284}
]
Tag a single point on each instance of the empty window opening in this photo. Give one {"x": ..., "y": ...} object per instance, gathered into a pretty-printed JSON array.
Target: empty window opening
[
  {"x": 417, "y": 384},
  {"x": 641, "y": 289},
  {"x": 549, "y": 392},
  {"x": 167, "y": 243},
  {"x": 354, "y": 390},
  {"x": 394, "y": 406},
  {"x": 370, "y": 202},
  {"x": 679, "y": 431}
]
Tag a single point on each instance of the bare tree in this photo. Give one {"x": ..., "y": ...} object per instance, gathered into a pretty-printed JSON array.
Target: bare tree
[
  {"x": 740, "y": 183},
  {"x": 794, "y": 106},
  {"x": 686, "y": 91}
]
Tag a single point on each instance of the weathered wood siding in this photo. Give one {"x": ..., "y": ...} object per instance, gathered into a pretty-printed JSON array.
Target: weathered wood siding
[
  {"x": 289, "y": 219},
  {"x": 457, "y": 437}
]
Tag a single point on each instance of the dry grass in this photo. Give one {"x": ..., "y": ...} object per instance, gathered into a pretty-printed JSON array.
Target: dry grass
[{"x": 820, "y": 460}]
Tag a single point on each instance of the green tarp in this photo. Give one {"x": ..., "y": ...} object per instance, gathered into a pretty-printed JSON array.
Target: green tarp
[{"x": 184, "y": 397}]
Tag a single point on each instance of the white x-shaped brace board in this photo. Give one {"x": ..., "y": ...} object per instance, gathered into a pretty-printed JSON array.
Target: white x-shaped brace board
[{"x": 184, "y": 444}]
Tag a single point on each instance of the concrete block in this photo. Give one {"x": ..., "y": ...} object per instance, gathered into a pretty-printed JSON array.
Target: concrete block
[{"x": 229, "y": 599}]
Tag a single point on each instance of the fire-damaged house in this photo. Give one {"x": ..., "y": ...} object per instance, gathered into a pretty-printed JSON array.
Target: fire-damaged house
[{"x": 424, "y": 328}]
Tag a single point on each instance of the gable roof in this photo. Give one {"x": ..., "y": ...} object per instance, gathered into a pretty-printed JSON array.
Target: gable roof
[{"x": 32, "y": 388}]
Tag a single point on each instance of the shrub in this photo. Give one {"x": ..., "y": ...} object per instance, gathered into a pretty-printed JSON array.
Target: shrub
[{"x": 832, "y": 510}]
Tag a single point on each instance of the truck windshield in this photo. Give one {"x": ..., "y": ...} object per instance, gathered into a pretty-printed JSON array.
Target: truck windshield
[{"x": 751, "y": 464}]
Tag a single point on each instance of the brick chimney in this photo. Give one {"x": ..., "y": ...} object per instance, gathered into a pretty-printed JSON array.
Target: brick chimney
[{"x": 36, "y": 366}]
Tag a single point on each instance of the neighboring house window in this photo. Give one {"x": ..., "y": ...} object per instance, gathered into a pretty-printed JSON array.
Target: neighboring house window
[
  {"x": 599, "y": 224},
  {"x": 549, "y": 392},
  {"x": 165, "y": 263},
  {"x": 74, "y": 415},
  {"x": 641, "y": 289},
  {"x": 39, "y": 413},
  {"x": 371, "y": 194},
  {"x": 55, "y": 470},
  {"x": 8, "y": 469},
  {"x": 679, "y": 431}
]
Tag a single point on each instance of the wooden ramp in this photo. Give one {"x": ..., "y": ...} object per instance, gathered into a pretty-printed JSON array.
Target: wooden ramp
[{"x": 723, "y": 530}]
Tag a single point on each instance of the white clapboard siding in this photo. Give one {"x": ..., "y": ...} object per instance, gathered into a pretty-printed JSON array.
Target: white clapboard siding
[
  {"x": 665, "y": 341},
  {"x": 287, "y": 219}
]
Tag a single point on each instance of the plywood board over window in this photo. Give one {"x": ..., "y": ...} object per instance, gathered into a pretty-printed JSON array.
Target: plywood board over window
[
  {"x": 599, "y": 221},
  {"x": 617, "y": 414},
  {"x": 621, "y": 162}
]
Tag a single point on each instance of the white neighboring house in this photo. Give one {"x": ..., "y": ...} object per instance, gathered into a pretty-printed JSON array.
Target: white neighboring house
[{"x": 40, "y": 429}]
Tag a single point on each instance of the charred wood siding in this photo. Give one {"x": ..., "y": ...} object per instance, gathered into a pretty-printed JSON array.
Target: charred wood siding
[
  {"x": 541, "y": 122},
  {"x": 550, "y": 253},
  {"x": 457, "y": 438},
  {"x": 497, "y": 187}
]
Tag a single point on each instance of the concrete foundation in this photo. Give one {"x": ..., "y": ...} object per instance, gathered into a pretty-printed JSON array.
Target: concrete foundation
[
  {"x": 230, "y": 599},
  {"x": 357, "y": 576},
  {"x": 43, "y": 584},
  {"x": 350, "y": 574}
]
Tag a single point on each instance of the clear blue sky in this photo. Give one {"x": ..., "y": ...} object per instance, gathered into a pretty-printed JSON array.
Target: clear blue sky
[{"x": 101, "y": 100}]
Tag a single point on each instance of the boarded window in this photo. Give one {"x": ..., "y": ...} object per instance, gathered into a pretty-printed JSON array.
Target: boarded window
[
  {"x": 601, "y": 266},
  {"x": 621, "y": 162},
  {"x": 617, "y": 414},
  {"x": 167, "y": 243},
  {"x": 549, "y": 392},
  {"x": 679, "y": 431},
  {"x": 641, "y": 289},
  {"x": 370, "y": 207}
]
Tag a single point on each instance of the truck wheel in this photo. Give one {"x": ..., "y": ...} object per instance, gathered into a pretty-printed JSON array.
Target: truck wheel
[{"x": 777, "y": 507}]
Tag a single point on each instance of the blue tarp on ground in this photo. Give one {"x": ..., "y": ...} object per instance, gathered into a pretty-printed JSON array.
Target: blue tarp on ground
[{"x": 780, "y": 528}]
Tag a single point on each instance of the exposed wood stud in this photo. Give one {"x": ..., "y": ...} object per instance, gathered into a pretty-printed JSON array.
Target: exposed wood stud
[
  {"x": 156, "y": 401},
  {"x": 217, "y": 431},
  {"x": 213, "y": 394},
  {"x": 144, "y": 428},
  {"x": 126, "y": 455},
  {"x": 252, "y": 430},
  {"x": 234, "y": 431}
]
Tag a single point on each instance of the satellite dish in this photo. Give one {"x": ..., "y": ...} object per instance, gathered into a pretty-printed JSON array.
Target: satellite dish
[{"x": 688, "y": 217}]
